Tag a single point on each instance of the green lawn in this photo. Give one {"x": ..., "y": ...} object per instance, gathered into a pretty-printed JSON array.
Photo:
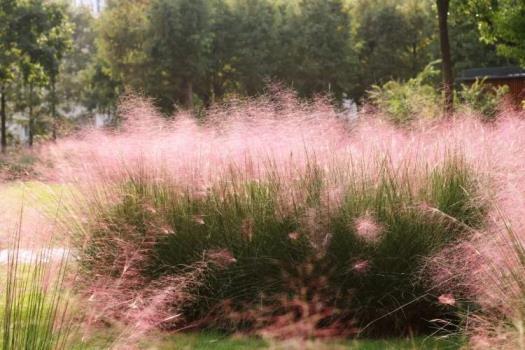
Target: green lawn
[
  {"x": 37, "y": 201},
  {"x": 210, "y": 341},
  {"x": 34, "y": 193},
  {"x": 205, "y": 341}
]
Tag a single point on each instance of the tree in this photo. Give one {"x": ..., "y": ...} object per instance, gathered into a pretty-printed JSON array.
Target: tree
[
  {"x": 502, "y": 22},
  {"x": 448, "y": 80},
  {"x": 323, "y": 59},
  {"x": 254, "y": 32},
  {"x": 418, "y": 17},
  {"x": 121, "y": 38},
  {"x": 56, "y": 43},
  {"x": 394, "y": 39},
  {"x": 220, "y": 72},
  {"x": 41, "y": 31},
  {"x": 8, "y": 55},
  {"x": 180, "y": 42},
  {"x": 49, "y": 49},
  {"x": 467, "y": 47},
  {"x": 101, "y": 91}
]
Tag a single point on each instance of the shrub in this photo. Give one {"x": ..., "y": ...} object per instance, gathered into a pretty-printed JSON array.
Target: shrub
[
  {"x": 403, "y": 102},
  {"x": 483, "y": 99},
  {"x": 419, "y": 99}
]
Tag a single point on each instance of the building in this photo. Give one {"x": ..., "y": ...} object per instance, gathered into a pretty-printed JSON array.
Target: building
[
  {"x": 513, "y": 77},
  {"x": 95, "y": 6},
  {"x": 19, "y": 132}
]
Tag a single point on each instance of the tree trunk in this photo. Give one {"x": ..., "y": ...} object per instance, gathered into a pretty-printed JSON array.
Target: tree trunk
[
  {"x": 448, "y": 79},
  {"x": 414, "y": 59},
  {"x": 31, "y": 126},
  {"x": 189, "y": 94},
  {"x": 3, "y": 120},
  {"x": 53, "y": 108}
]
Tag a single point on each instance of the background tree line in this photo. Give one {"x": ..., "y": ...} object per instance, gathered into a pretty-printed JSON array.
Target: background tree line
[
  {"x": 55, "y": 57},
  {"x": 34, "y": 37}
]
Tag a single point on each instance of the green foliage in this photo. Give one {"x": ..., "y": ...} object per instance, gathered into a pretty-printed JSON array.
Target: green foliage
[
  {"x": 467, "y": 47},
  {"x": 320, "y": 48},
  {"x": 196, "y": 53},
  {"x": 85, "y": 79},
  {"x": 393, "y": 39},
  {"x": 483, "y": 99},
  {"x": 259, "y": 242},
  {"x": 183, "y": 52},
  {"x": 18, "y": 165},
  {"x": 246, "y": 37},
  {"x": 121, "y": 40},
  {"x": 35, "y": 38},
  {"x": 402, "y": 102},
  {"x": 180, "y": 41},
  {"x": 418, "y": 98},
  {"x": 501, "y": 22}
]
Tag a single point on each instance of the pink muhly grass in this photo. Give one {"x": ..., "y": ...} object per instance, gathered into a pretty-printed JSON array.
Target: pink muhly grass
[
  {"x": 367, "y": 228},
  {"x": 361, "y": 266},
  {"x": 259, "y": 139},
  {"x": 447, "y": 299}
]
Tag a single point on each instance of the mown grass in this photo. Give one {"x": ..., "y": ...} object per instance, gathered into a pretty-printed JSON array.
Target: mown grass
[
  {"x": 44, "y": 195},
  {"x": 215, "y": 341},
  {"x": 40, "y": 202}
]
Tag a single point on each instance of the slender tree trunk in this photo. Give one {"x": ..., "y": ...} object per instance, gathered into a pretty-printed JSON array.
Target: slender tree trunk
[
  {"x": 189, "y": 94},
  {"x": 3, "y": 119},
  {"x": 53, "y": 108},
  {"x": 31, "y": 122},
  {"x": 448, "y": 79},
  {"x": 414, "y": 59}
]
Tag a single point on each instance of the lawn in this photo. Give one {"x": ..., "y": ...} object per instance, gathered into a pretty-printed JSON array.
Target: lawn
[
  {"x": 37, "y": 201},
  {"x": 214, "y": 342},
  {"x": 211, "y": 341}
]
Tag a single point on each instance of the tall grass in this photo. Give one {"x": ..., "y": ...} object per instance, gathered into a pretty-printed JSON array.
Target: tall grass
[
  {"x": 34, "y": 308},
  {"x": 271, "y": 213},
  {"x": 499, "y": 322},
  {"x": 265, "y": 241}
]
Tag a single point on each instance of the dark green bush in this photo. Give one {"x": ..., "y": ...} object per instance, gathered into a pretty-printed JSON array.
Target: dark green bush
[{"x": 483, "y": 98}]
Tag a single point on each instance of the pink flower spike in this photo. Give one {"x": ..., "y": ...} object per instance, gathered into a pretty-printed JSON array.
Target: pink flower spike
[
  {"x": 447, "y": 299},
  {"x": 199, "y": 219},
  {"x": 361, "y": 266},
  {"x": 294, "y": 235},
  {"x": 367, "y": 228}
]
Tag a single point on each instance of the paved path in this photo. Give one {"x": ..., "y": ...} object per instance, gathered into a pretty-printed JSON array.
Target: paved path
[{"x": 29, "y": 256}]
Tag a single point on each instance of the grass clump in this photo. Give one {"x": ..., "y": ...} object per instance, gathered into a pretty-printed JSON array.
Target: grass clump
[
  {"x": 382, "y": 234},
  {"x": 261, "y": 255}
]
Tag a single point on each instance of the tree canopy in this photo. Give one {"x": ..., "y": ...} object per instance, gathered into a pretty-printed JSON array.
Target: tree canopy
[{"x": 58, "y": 59}]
